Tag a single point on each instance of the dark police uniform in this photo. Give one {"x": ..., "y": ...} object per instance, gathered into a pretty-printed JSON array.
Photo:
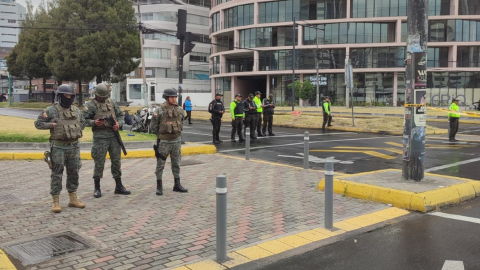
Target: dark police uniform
[{"x": 215, "y": 107}]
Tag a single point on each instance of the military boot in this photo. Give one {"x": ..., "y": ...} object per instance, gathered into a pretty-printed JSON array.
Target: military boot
[
  {"x": 159, "y": 188},
  {"x": 56, "y": 204},
  {"x": 177, "y": 187},
  {"x": 97, "y": 193},
  {"x": 120, "y": 189},
  {"x": 74, "y": 202}
]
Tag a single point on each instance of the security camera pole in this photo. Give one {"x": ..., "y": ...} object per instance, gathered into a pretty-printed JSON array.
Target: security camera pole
[{"x": 416, "y": 83}]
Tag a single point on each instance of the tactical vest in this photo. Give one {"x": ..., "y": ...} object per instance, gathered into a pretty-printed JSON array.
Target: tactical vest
[
  {"x": 171, "y": 123},
  {"x": 68, "y": 127},
  {"x": 104, "y": 110},
  {"x": 239, "y": 109}
]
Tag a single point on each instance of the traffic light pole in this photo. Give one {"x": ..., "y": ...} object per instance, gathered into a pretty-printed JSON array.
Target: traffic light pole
[
  {"x": 180, "y": 72},
  {"x": 416, "y": 82}
]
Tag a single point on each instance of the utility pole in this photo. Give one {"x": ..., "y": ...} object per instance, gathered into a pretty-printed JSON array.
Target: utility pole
[
  {"x": 9, "y": 90},
  {"x": 140, "y": 29},
  {"x": 293, "y": 64},
  {"x": 316, "y": 65},
  {"x": 416, "y": 80}
]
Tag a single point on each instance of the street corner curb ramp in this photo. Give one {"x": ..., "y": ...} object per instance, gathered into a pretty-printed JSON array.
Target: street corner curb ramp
[
  {"x": 386, "y": 186},
  {"x": 188, "y": 149}
]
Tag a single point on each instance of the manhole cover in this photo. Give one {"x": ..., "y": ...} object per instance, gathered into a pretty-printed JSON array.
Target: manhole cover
[
  {"x": 190, "y": 162},
  {"x": 47, "y": 248}
]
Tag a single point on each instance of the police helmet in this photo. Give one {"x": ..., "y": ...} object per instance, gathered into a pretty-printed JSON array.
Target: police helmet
[
  {"x": 257, "y": 92},
  {"x": 65, "y": 89},
  {"x": 219, "y": 94},
  {"x": 101, "y": 90},
  {"x": 169, "y": 92},
  {"x": 238, "y": 95}
]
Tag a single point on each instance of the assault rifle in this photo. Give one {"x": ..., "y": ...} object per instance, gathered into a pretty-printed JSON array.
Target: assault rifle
[{"x": 112, "y": 122}]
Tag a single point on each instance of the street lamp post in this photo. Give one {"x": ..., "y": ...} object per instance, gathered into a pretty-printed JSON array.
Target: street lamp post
[
  {"x": 293, "y": 65},
  {"x": 144, "y": 85},
  {"x": 316, "y": 64}
]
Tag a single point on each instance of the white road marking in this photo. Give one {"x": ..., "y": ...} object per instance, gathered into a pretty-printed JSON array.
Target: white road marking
[
  {"x": 453, "y": 265},
  {"x": 452, "y": 164},
  {"x": 456, "y": 217},
  {"x": 315, "y": 159},
  {"x": 473, "y": 130},
  {"x": 290, "y": 144}
]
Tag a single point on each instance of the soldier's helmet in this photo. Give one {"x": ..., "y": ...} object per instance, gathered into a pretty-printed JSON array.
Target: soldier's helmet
[
  {"x": 169, "y": 92},
  {"x": 65, "y": 89},
  {"x": 101, "y": 90}
]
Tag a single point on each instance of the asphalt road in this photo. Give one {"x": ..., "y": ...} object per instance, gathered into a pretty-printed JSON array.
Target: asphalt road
[
  {"x": 438, "y": 240},
  {"x": 353, "y": 152}
]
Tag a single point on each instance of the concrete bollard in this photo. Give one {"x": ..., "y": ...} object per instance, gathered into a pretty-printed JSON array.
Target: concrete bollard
[
  {"x": 329, "y": 194},
  {"x": 247, "y": 144},
  {"x": 306, "y": 150},
  {"x": 221, "y": 190}
]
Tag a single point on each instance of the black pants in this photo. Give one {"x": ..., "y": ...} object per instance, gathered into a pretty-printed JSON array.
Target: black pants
[
  {"x": 189, "y": 116},
  {"x": 217, "y": 123},
  {"x": 259, "y": 122},
  {"x": 454, "y": 122},
  {"x": 326, "y": 118},
  {"x": 237, "y": 127},
  {"x": 267, "y": 120},
  {"x": 250, "y": 122}
]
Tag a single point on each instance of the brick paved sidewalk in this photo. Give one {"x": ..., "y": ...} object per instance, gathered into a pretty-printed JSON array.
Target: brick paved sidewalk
[{"x": 145, "y": 231}]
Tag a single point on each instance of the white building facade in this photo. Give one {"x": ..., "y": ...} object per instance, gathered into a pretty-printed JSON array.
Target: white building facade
[{"x": 160, "y": 53}]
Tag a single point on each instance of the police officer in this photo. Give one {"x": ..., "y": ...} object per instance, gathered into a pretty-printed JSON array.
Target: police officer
[
  {"x": 268, "y": 106},
  {"x": 258, "y": 118},
  {"x": 217, "y": 110},
  {"x": 250, "y": 109},
  {"x": 95, "y": 111},
  {"x": 327, "y": 117},
  {"x": 453, "y": 118},
  {"x": 167, "y": 124},
  {"x": 65, "y": 122},
  {"x": 236, "y": 111}
]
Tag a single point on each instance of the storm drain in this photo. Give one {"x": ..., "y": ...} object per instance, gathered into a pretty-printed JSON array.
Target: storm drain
[{"x": 47, "y": 248}]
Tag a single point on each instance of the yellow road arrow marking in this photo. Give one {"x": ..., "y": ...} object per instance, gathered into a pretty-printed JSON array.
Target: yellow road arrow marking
[
  {"x": 371, "y": 153},
  {"x": 372, "y": 148}
]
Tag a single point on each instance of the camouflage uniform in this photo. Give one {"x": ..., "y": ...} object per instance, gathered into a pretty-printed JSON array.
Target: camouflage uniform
[
  {"x": 65, "y": 152},
  {"x": 167, "y": 125},
  {"x": 104, "y": 139}
]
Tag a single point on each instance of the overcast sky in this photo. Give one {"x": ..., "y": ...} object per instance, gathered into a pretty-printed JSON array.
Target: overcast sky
[{"x": 35, "y": 3}]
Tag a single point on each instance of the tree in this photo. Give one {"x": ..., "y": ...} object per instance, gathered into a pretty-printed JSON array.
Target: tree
[
  {"x": 100, "y": 40},
  {"x": 307, "y": 90}
]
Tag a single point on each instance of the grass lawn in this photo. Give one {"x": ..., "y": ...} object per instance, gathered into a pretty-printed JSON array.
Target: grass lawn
[{"x": 16, "y": 129}]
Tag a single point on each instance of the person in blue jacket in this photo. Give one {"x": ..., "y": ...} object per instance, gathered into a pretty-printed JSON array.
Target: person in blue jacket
[{"x": 188, "y": 109}]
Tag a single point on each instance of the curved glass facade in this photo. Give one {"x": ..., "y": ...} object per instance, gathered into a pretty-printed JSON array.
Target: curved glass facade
[{"x": 256, "y": 53}]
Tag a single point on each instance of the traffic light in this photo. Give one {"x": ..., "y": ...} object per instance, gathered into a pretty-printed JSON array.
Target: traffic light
[
  {"x": 181, "y": 23},
  {"x": 188, "y": 45}
]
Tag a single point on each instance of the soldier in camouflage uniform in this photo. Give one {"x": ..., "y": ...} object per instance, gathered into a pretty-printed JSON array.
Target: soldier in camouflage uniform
[
  {"x": 104, "y": 140},
  {"x": 167, "y": 123},
  {"x": 65, "y": 122}
]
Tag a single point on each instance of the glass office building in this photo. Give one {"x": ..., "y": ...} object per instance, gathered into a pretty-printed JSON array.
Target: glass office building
[{"x": 252, "y": 48}]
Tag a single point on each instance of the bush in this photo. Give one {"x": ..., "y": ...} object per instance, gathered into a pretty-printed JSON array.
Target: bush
[{"x": 33, "y": 100}]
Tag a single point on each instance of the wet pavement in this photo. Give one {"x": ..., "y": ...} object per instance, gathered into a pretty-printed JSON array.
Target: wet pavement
[
  {"x": 429, "y": 241},
  {"x": 157, "y": 232}
]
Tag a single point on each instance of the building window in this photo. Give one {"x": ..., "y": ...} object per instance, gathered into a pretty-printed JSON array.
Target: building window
[
  {"x": 439, "y": 7},
  {"x": 199, "y": 57},
  {"x": 468, "y": 57},
  {"x": 12, "y": 21},
  {"x": 239, "y": 16},
  {"x": 437, "y": 57},
  {"x": 267, "y": 37},
  {"x": 156, "y": 53},
  {"x": 135, "y": 91},
  {"x": 284, "y": 11},
  {"x": 469, "y": 7},
  {"x": 215, "y": 22},
  {"x": 382, "y": 57},
  {"x": 342, "y": 33},
  {"x": 378, "y": 8},
  {"x": 454, "y": 30}
]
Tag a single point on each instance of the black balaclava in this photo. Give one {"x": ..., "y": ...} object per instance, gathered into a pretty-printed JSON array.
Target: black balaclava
[{"x": 65, "y": 102}]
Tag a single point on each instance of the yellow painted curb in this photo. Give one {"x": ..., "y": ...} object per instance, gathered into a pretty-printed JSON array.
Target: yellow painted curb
[
  {"x": 86, "y": 155},
  {"x": 421, "y": 201},
  {"x": 5, "y": 263},
  {"x": 282, "y": 244}
]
